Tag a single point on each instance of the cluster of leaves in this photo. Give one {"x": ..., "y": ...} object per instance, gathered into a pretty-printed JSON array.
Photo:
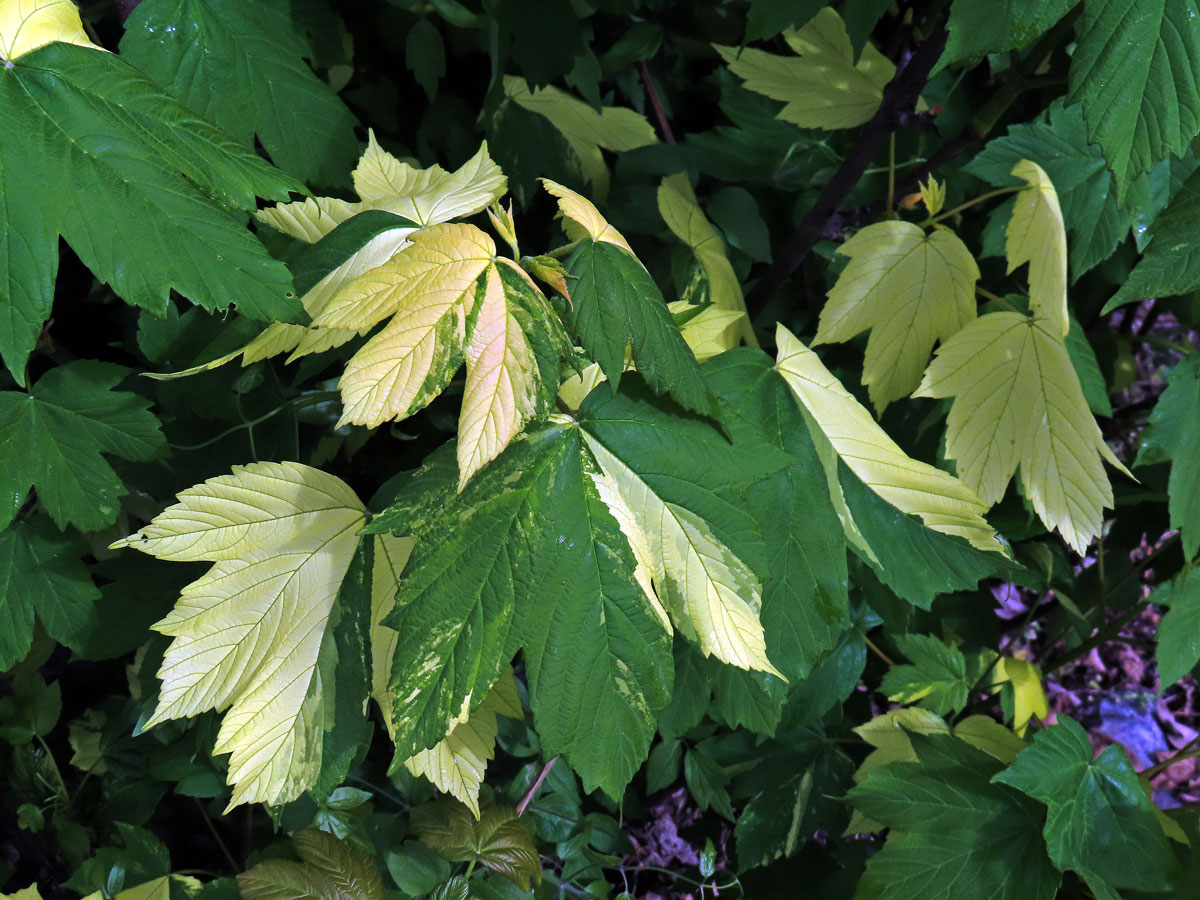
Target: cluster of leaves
[{"x": 470, "y": 571}]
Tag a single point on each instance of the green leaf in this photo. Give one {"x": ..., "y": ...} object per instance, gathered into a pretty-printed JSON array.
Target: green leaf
[
  {"x": 937, "y": 680},
  {"x": 425, "y": 56},
  {"x": 805, "y": 599},
  {"x": 53, "y": 439},
  {"x": 746, "y": 699},
  {"x": 40, "y": 570},
  {"x": 241, "y": 66},
  {"x": 1140, "y": 106},
  {"x": 1174, "y": 435},
  {"x": 1100, "y": 821},
  {"x": 1091, "y": 379},
  {"x": 707, "y": 782},
  {"x": 595, "y": 700},
  {"x": 80, "y": 123},
  {"x": 766, "y": 18},
  {"x": 1171, "y": 262},
  {"x": 980, "y": 27},
  {"x": 1178, "y": 648},
  {"x": 1086, "y": 193},
  {"x": 332, "y": 869},
  {"x": 318, "y": 259},
  {"x": 498, "y": 840},
  {"x": 615, "y": 302},
  {"x": 691, "y": 695},
  {"x": 916, "y": 562},
  {"x": 961, "y": 836}
]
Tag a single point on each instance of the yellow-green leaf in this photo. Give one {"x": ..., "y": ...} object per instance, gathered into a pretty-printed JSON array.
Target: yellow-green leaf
[
  {"x": 582, "y": 219},
  {"x": 578, "y": 385},
  {"x": 456, "y": 764},
  {"x": 428, "y": 290},
  {"x": 822, "y": 86},
  {"x": 911, "y": 289},
  {"x": 248, "y": 632},
  {"x": 710, "y": 331},
  {"x": 585, "y": 129},
  {"x": 1018, "y": 401},
  {"x": 26, "y": 25},
  {"x": 309, "y": 219},
  {"x": 332, "y": 869},
  {"x": 943, "y": 502},
  {"x": 27, "y": 893},
  {"x": 427, "y": 196},
  {"x": 710, "y": 594},
  {"x": 1036, "y": 235},
  {"x": 1029, "y": 698},
  {"x": 679, "y": 209},
  {"x": 391, "y": 556},
  {"x": 501, "y": 392}
]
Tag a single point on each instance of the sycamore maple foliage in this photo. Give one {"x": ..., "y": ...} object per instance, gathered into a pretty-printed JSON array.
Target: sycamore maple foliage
[{"x": 525, "y": 462}]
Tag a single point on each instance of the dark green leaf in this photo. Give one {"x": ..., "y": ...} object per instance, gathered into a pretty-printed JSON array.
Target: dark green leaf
[
  {"x": 41, "y": 570},
  {"x": 1140, "y": 107},
  {"x": 707, "y": 782},
  {"x": 962, "y": 837},
  {"x": 1174, "y": 434},
  {"x": 1100, "y": 822},
  {"x": 53, "y": 439},
  {"x": 980, "y": 27},
  {"x": 241, "y": 65},
  {"x": 80, "y": 123},
  {"x": 692, "y": 693},
  {"x": 1091, "y": 379},
  {"x": 766, "y": 18},
  {"x": 315, "y": 261},
  {"x": 937, "y": 679},
  {"x": 615, "y": 302},
  {"x": 1178, "y": 648}
]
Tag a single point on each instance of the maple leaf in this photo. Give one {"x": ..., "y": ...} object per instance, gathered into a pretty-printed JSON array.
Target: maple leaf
[
  {"x": 822, "y": 86},
  {"x": 911, "y": 289},
  {"x": 586, "y": 130},
  {"x": 943, "y": 502},
  {"x": 331, "y": 869},
  {"x": 497, "y": 840},
  {"x": 581, "y": 219},
  {"x": 54, "y": 439},
  {"x": 1037, "y": 235},
  {"x": 248, "y": 634},
  {"x": 1018, "y": 402},
  {"x": 457, "y": 763},
  {"x": 679, "y": 209},
  {"x": 708, "y": 330}
]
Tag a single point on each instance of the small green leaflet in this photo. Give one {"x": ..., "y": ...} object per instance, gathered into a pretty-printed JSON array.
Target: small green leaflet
[
  {"x": 54, "y": 438},
  {"x": 241, "y": 66},
  {"x": 1100, "y": 821},
  {"x": 937, "y": 678},
  {"x": 961, "y": 836},
  {"x": 40, "y": 570},
  {"x": 147, "y": 167},
  {"x": 1178, "y": 639},
  {"x": 331, "y": 869},
  {"x": 1174, "y": 434},
  {"x": 1140, "y": 107},
  {"x": 499, "y": 840},
  {"x": 615, "y": 302},
  {"x": 1171, "y": 262}
]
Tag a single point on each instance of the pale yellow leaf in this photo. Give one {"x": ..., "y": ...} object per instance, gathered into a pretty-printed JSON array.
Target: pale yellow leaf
[
  {"x": 711, "y": 331},
  {"x": 501, "y": 391},
  {"x": 456, "y": 763},
  {"x": 26, "y": 25},
  {"x": 822, "y": 86},
  {"x": 26, "y": 893},
  {"x": 428, "y": 288},
  {"x": 911, "y": 289},
  {"x": 248, "y": 632},
  {"x": 390, "y": 558},
  {"x": 585, "y": 129},
  {"x": 943, "y": 502},
  {"x": 1029, "y": 697},
  {"x": 1036, "y": 235},
  {"x": 710, "y": 594},
  {"x": 309, "y": 219},
  {"x": 679, "y": 209},
  {"x": 577, "y": 386},
  {"x": 582, "y": 219},
  {"x": 1019, "y": 402},
  {"x": 427, "y": 196}
]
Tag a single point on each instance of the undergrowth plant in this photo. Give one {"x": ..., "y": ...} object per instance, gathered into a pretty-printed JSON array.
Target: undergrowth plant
[{"x": 552, "y": 523}]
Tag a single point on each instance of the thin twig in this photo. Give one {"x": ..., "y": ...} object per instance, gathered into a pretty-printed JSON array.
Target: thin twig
[
  {"x": 233, "y": 866},
  {"x": 537, "y": 783},
  {"x": 871, "y": 646},
  {"x": 1187, "y": 751},
  {"x": 652, "y": 94}
]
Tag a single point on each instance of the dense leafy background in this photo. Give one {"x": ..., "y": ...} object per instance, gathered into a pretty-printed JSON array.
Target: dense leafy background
[{"x": 928, "y": 721}]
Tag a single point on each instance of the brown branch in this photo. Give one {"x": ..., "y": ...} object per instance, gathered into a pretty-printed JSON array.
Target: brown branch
[
  {"x": 652, "y": 94},
  {"x": 896, "y": 110}
]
